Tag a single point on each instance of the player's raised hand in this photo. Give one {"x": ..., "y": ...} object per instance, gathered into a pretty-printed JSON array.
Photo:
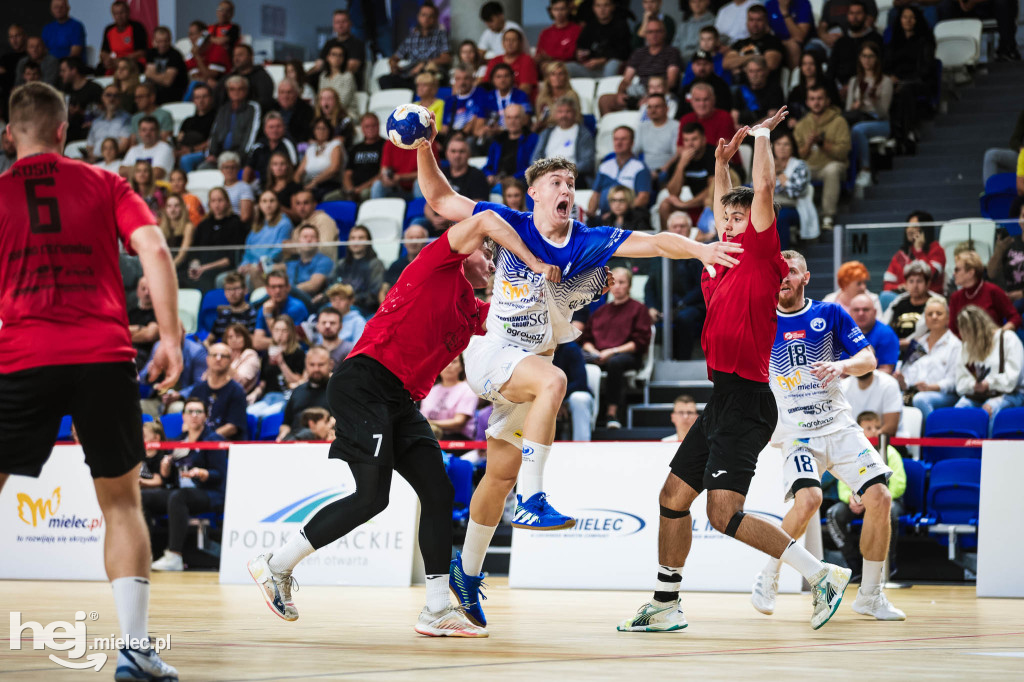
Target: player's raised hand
[
  {"x": 772, "y": 121},
  {"x": 719, "y": 253},
  {"x": 167, "y": 362},
  {"x": 827, "y": 372},
  {"x": 724, "y": 152},
  {"x": 609, "y": 280}
]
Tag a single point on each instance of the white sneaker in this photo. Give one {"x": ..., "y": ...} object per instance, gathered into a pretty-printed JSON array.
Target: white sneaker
[
  {"x": 449, "y": 622},
  {"x": 169, "y": 562},
  {"x": 138, "y": 665},
  {"x": 766, "y": 586},
  {"x": 651, "y": 618},
  {"x": 828, "y": 223},
  {"x": 864, "y": 179},
  {"x": 874, "y": 603},
  {"x": 276, "y": 588},
  {"x": 828, "y": 592}
]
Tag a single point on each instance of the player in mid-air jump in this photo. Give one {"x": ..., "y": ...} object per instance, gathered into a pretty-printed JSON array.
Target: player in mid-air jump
[
  {"x": 720, "y": 451},
  {"x": 817, "y": 431},
  {"x": 511, "y": 365}
]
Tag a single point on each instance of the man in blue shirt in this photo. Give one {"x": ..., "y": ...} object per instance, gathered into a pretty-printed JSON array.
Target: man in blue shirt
[
  {"x": 64, "y": 36},
  {"x": 621, "y": 168},
  {"x": 278, "y": 302},
  {"x": 469, "y": 110},
  {"x": 791, "y": 21},
  {"x": 881, "y": 337},
  {"x": 224, "y": 397},
  {"x": 309, "y": 271}
]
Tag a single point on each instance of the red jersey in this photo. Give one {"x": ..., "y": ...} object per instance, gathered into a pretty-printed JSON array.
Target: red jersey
[
  {"x": 524, "y": 69},
  {"x": 122, "y": 42},
  {"x": 61, "y": 294},
  {"x": 719, "y": 125},
  {"x": 560, "y": 43},
  {"x": 401, "y": 161},
  {"x": 739, "y": 330},
  {"x": 426, "y": 320}
]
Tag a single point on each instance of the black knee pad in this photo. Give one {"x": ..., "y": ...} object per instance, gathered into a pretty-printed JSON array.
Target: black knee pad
[
  {"x": 673, "y": 513},
  {"x": 734, "y": 524}
]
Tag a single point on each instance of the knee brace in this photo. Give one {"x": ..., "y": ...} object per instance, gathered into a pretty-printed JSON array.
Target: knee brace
[
  {"x": 673, "y": 513},
  {"x": 734, "y": 524}
]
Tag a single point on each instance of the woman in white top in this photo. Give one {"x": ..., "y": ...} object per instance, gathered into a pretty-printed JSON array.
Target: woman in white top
[
  {"x": 988, "y": 374},
  {"x": 793, "y": 190},
  {"x": 239, "y": 193},
  {"x": 338, "y": 78},
  {"x": 111, "y": 160},
  {"x": 868, "y": 97},
  {"x": 320, "y": 170},
  {"x": 931, "y": 366}
]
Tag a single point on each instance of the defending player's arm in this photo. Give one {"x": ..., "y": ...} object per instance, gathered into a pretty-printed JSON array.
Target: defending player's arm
[
  {"x": 723, "y": 181},
  {"x": 671, "y": 245},
  {"x": 158, "y": 267},
  {"x": 861, "y": 363},
  {"x": 434, "y": 186},
  {"x": 762, "y": 210},
  {"x": 466, "y": 237}
]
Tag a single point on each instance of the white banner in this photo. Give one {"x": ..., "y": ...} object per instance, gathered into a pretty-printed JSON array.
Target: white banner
[
  {"x": 612, "y": 491},
  {"x": 51, "y": 527},
  {"x": 1002, "y": 507},
  {"x": 274, "y": 489}
]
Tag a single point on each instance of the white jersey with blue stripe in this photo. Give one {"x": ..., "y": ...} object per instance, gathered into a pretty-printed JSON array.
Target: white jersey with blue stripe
[
  {"x": 818, "y": 332},
  {"x": 526, "y": 309}
]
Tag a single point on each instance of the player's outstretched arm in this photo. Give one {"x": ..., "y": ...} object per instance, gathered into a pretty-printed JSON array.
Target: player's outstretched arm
[
  {"x": 436, "y": 190},
  {"x": 467, "y": 236},
  {"x": 158, "y": 267},
  {"x": 861, "y": 363},
  {"x": 723, "y": 181},
  {"x": 671, "y": 245},
  {"x": 762, "y": 211}
]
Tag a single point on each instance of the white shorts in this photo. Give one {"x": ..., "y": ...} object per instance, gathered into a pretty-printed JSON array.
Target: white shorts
[
  {"x": 846, "y": 453},
  {"x": 489, "y": 365}
]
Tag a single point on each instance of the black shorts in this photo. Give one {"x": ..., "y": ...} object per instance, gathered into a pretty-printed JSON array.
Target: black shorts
[
  {"x": 720, "y": 451},
  {"x": 376, "y": 418},
  {"x": 103, "y": 401}
]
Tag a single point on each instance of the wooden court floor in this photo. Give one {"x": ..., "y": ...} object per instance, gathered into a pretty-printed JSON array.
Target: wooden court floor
[{"x": 222, "y": 633}]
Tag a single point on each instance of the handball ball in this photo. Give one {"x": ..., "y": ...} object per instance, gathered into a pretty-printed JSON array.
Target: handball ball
[{"x": 409, "y": 126}]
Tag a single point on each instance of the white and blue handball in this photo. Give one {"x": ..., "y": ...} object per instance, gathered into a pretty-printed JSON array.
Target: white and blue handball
[{"x": 409, "y": 126}]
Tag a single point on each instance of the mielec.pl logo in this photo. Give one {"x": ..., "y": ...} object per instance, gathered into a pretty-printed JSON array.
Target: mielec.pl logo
[{"x": 37, "y": 512}]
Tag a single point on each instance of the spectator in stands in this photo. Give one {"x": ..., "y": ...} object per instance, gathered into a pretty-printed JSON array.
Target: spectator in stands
[
  {"x": 513, "y": 194},
  {"x": 470, "y": 59},
  {"x": 834, "y": 20},
  {"x": 905, "y": 315},
  {"x": 145, "y": 106},
  {"x": 142, "y": 324},
  {"x": 178, "y": 228},
  {"x": 468, "y": 102},
  {"x": 328, "y": 325},
  {"x": 82, "y": 95},
  {"x": 792, "y": 191},
  {"x": 361, "y": 269},
  {"x": 413, "y": 245},
  {"x": 568, "y": 138},
  {"x": 273, "y": 139},
  {"x": 304, "y": 210},
  {"x": 222, "y": 228},
  {"x": 64, "y": 36},
  {"x": 236, "y": 311},
  {"x": 426, "y": 97},
  {"x": 113, "y": 122},
  {"x": 123, "y": 39},
  {"x": 688, "y": 306},
  {"x": 694, "y": 169},
  {"x": 450, "y": 406},
  {"x": 1006, "y": 266},
  {"x": 622, "y": 212},
  {"x": 279, "y": 180},
  {"x": 342, "y": 297},
  {"x": 603, "y": 45},
  {"x": 656, "y": 86},
  {"x": 684, "y": 416},
  {"x": 397, "y": 173},
  {"x": 206, "y": 61},
  {"x": 910, "y": 62},
  {"x": 656, "y": 139},
  {"x": 193, "y": 356},
  {"x": 261, "y": 85},
  {"x": 702, "y": 71},
  {"x": 279, "y": 302},
  {"x": 236, "y": 124},
  {"x": 696, "y": 15},
  {"x": 245, "y": 362},
  {"x": 165, "y": 68},
  {"x": 731, "y": 20},
  {"x": 852, "y": 278},
  {"x": 928, "y": 374},
  {"x": 293, "y": 69},
  {"x": 317, "y": 425},
  {"x": 657, "y": 57},
  {"x": 355, "y": 49},
  {"x": 823, "y": 140},
  {"x": 557, "y": 42},
  {"x": 918, "y": 245},
  {"x": 311, "y": 393},
  {"x": 616, "y": 337},
  {"x": 270, "y": 229},
  {"x": 554, "y": 87},
  {"x": 792, "y": 22},
  {"x": 524, "y": 69},
  {"x": 425, "y": 49},
  {"x": 194, "y": 483},
  {"x": 1003, "y": 11},
  {"x": 225, "y": 33},
  {"x": 759, "y": 97},
  {"x": 812, "y": 73},
  {"x": 997, "y": 160},
  {"x": 988, "y": 374},
  {"x": 110, "y": 157},
  {"x": 149, "y": 473},
  {"x": 194, "y": 135},
  {"x": 46, "y": 63},
  {"x": 310, "y": 270},
  {"x": 179, "y": 186},
  {"x": 845, "y": 60},
  {"x": 363, "y": 168},
  {"x": 759, "y": 43},
  {"x": 9, "y": 59},
  {"x": 717, "y": 123},
  {"x": 868, "y": 96},
  {"x": 320, "y": 169},
  {"x": 283, "y": 369},
  {"x": 240, "y": 193},
  {"x": 492, "y": 43},
  {"x": 972, "y": 289},
  {"x": 879, "y": 393},
  {"x": 465, "y": 179},
  {"x": 881, "y": 337},
  {"x": 297, "y": 112},
  {"x": 503, "y": 96},
  {"x": 580, "y": 404},
  {"x": 126, "y": 78},
  {"x": 652, "y": 10},
  {"x": 145, "y": 186},
  {"x": 31, "y": 73},
  {"x": 224, "y": 397},
  {"x": 150, "y": 148},
  {"x": 335, "y": 75}
]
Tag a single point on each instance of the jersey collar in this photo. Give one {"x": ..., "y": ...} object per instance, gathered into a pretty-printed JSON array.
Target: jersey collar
[{"x": 803, "y": 309}]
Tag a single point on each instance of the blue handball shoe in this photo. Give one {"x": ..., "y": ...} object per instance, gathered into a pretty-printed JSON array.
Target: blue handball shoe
[
  {"x": 536, "y": 514},
  {"x": 467, "y": 589}
]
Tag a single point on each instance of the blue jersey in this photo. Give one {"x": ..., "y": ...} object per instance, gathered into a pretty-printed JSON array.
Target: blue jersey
[
  {"x": 535, "y": 314},
  {"x": 818, "y": 332}
]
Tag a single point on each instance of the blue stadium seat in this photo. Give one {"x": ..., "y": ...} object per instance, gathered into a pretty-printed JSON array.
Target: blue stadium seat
[
  {"x": 954, "y": 491},
  {"x": 1000, "y": 191},
  {"x": 172, "y": 425},
  {"x": 270, "y": 425},
  {"x": 954, "y": 422},
  {"x": 413, "y": 210},
  {"x": 1009, "y": 424},
  {"x": 208, "y": 308},
  {"x": 65, "y": 428},
  {"x": 913, "y": 499},
  {"x": 146, "y": 417},
  {"x": 461, "y": 474},
  {"x": 254, "y": 423},
  {"x": 343, "y": 212}
]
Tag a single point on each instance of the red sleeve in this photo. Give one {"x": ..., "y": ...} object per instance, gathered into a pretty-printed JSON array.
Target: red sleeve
[
  {"x": 956, "y": 303},
  {"x": 937, "y": 254},
  {"x": 542, "y": 42},
  {"x": 385, "y": 157},
  {"x": 641, "y": 334},
  {"x": 588, "y": 330},
  {"x": 896, "y": 270},
  {"x": 490, "y": 67},
  {"x": 130, "y": 211},
  {"x": 528, "y": 71},
  {"x": 763, "y": 244},
  {"x": 105, "y": 45}
]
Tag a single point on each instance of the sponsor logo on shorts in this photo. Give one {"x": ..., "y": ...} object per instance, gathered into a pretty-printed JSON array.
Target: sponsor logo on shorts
[
  {"x": 798, "y": 334},
  {"x": 818, "y": 324}
]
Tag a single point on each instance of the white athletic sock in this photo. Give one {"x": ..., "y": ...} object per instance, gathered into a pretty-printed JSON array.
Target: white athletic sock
[
  {"x": 531, "y": 475},
  {"x": 131, "y": 596},
  {"x": 773, "y": 566},
  {"x": 871, "y": 575},
  {"x": 803, "y": 561},
  {"x": 437, "y": 592},
  {"x": 474, "y": 549},
  {"x": 294, "y": 551},
  {"x": 667, "y": 590}
]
